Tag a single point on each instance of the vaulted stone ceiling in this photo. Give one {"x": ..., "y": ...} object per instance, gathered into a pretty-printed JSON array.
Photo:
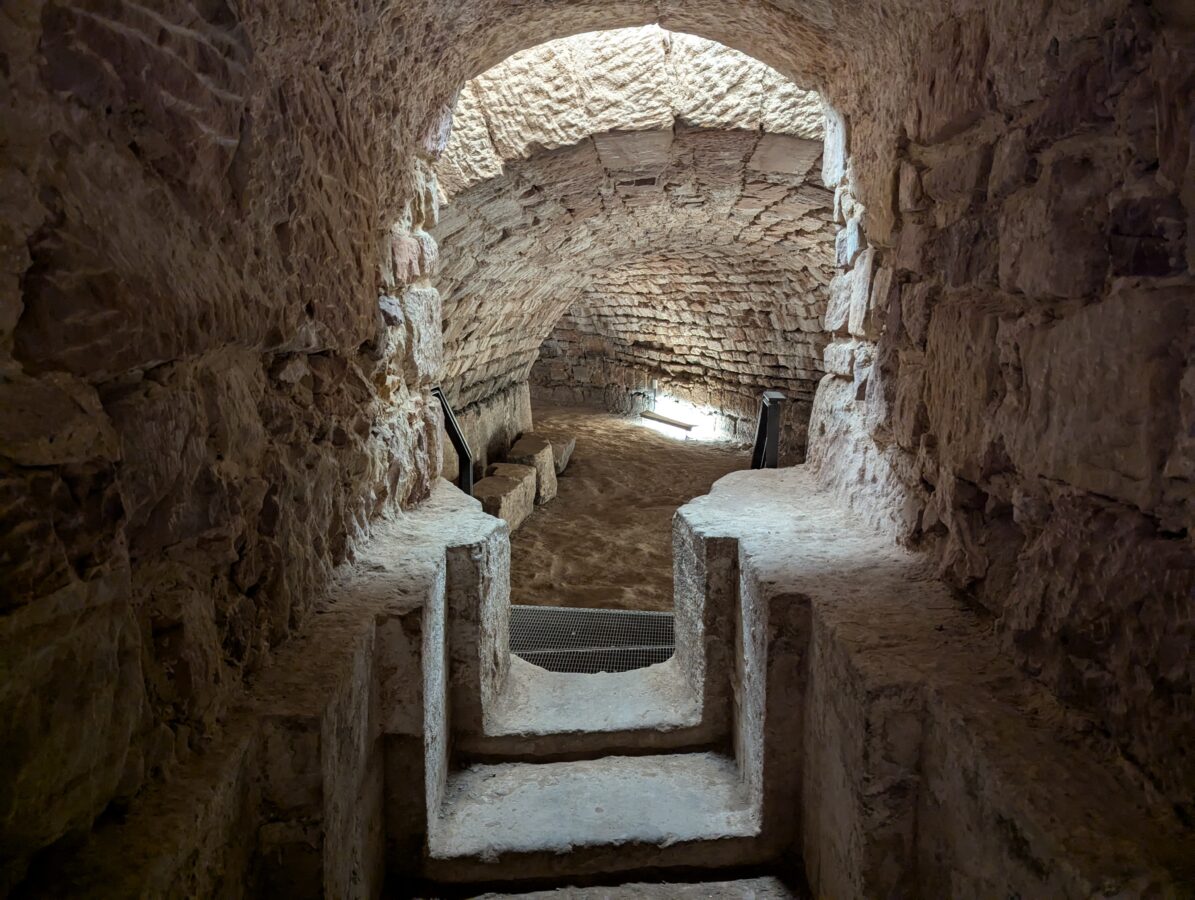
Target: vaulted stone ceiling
[
  {"x": 566, "y": 224},
  {"x": 663, "y": 196}
]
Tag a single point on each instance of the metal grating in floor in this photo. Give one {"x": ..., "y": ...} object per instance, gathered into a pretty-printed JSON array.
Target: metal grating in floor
[{"x": 564, "y": 639}]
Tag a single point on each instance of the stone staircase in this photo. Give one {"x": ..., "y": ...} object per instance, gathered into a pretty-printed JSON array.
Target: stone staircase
[
  {"x": 830, "y": 708},
  {"x": 546, "y": 775},
  {"x": 829, "y": 702}
]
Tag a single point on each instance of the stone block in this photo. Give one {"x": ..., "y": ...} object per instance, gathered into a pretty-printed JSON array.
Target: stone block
[
  {"x": 840, "y": 358},
  {"x": 963, "y": 382},
  {"x": 1011, "y": 164},
  {"x": 1129, "y": 607},
  {"x": 849, "y": 243},
  {"x": 785, "y": 154},
  {"x": 562, "y": 452},
  {"x": 425, "y": 349},
  {"x": 72, "y": 699},
  {"x": 635, "y": 151},
  {"x": 835, "y": 149},
  {"x": 838, "y": 305},
  {"x": 54, "y": 420},
  {"x": 535, "y": 451},
  {"x": 1052, "y": 240},
  {"x": 910, "y": 419},
  {"x": 916, "y": 304},
  {"x": 1096, "y": 404},
  {"x": 952, "y": 92},
  {"x": 869, "y": 299},
  {"x": 967, "y": 253},
  {"x": 958, "y": 181},
  {"x": 507, "y": 492},
  {"x": 910, "y": 194},
  {"x": 911, "y": 247}
]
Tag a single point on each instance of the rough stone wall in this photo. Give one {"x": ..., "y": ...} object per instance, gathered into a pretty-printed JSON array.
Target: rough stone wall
[
  {"x": 201, "y": 402},
  {"x": 193, "y": 192},
  {"x": 668, "y": 187},
  {"x": 490, "y": 427},
  {"x": 1010, "y": 380}
]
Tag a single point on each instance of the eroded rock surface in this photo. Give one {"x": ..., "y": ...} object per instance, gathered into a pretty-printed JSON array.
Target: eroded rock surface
[{"x": 217, "y": 329}]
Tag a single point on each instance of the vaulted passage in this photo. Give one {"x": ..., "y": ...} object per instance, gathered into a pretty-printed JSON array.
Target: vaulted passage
[
  {"x": 636, "y": 213},
  {"x": 255, "y": 634}
]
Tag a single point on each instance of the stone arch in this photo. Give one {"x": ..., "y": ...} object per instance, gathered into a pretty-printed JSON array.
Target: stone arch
[{"x": 637, "y": 172}]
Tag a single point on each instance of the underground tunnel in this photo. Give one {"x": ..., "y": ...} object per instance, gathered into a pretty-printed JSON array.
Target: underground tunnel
[{"x": 334, "y": 337}]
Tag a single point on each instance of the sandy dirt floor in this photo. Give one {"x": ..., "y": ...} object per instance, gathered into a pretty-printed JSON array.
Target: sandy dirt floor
[{"x": 606, "y": 540}]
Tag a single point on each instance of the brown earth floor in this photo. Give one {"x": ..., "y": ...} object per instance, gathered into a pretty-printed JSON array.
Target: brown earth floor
[{"x": 606, "y": 540}]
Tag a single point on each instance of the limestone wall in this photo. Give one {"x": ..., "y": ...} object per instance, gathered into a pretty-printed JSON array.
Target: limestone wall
[
  {"x": 202, "y": 403},
  {"x": 202, "y": 400},
  {"x": 1009, "y": 382}
]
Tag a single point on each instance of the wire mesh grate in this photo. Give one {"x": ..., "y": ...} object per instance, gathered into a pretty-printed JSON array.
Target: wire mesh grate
[{"x": 565, "y": 639}]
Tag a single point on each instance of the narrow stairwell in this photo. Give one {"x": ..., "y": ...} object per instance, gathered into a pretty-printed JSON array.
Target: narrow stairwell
[
  {"x": 830, "y": 709},
  {"x": 830, "y": 704},
  {"x": 557, "y": 776}
]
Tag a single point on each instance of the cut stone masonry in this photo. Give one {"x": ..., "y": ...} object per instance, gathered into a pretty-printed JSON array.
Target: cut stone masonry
[
  {"x": 221, "y": 317},
  {"x": 839, "y": 701},
  {"x": 687, "y": 235}
]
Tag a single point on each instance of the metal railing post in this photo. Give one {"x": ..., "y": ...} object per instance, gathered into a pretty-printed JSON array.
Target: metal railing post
[
  {"x": 766, "y": 453},
  {"x": 459, "y": 444}
]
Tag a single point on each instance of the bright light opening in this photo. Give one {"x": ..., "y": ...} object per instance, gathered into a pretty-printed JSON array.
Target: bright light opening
[{"x": 705, "y": 421}]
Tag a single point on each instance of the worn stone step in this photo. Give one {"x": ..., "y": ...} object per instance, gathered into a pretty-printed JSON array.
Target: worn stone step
[
  {"x": 542, "y": 715},
  {"x": 931, "y": 765},
  {"x": 618, "y": 814},
  {"x": 740, "y": 889}
]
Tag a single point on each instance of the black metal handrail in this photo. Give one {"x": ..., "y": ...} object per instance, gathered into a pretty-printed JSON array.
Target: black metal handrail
[
  {"x": 459, "y": 444},
  {"x": 766, "y": 454}
]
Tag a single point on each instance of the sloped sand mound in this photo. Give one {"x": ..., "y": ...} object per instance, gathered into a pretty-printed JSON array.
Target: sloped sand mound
[{"x": 606, "y": 540}]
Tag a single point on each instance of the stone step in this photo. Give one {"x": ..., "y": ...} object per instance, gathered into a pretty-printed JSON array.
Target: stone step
[
  {"x": 568, "y": 819},
  {"x": 542, "y": 715},
  {"x": 740, "y": 889}
]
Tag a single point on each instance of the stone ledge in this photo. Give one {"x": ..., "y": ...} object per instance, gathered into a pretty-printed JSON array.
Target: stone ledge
[
  {"x": 904, "y": 694},
  {"x": 610, "y": 815},
  {"x": 507, "y": 492}
]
